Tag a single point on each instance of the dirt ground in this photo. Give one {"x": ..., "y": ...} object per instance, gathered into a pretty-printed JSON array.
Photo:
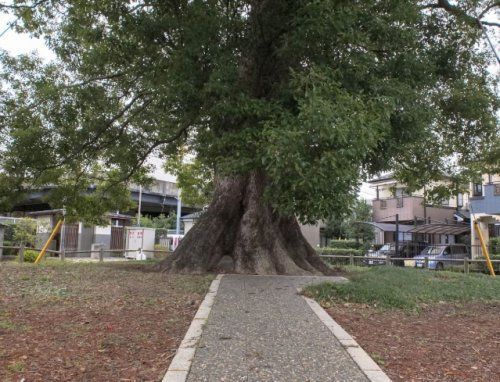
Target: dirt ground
[
  {"x": 92, "y": 322},
  {"x": 444, "y": 342}
]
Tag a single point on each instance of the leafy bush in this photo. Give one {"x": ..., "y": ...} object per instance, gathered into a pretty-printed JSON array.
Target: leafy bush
[
  {"x": 340, "y": 251},
  {"x": 483, "y": 267},
  {"x": 23, "y": 231},
  {"x": 344, "y": 244},
  {"x": 9, "y": 251},
  {"x": 30, "y": 255},
  {"x": 495, "y": 246}
]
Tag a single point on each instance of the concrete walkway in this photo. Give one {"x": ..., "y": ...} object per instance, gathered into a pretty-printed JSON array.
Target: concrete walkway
[{"x": 260, "y": 330}]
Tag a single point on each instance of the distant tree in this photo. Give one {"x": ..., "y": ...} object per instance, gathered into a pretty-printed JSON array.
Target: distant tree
[
  {"x": 292, "y": 103},
  {"x": 356, "y": 229},
  {"x": 24, "y": 232},
  {"x": 161, "y": 221},
  {"x": 348, "y": 226}
]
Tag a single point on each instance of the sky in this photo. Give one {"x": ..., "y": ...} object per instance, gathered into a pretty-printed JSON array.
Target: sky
[{"x": 16, "y": 44}]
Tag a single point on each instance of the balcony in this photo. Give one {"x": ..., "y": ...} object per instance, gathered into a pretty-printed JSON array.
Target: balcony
[
  {"x": 409, "y": 207},
  {"x": 490, "y": 202}
]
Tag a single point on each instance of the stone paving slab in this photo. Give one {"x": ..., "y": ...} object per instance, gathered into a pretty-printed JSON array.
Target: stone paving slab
[{"x": 260, "y": 329}]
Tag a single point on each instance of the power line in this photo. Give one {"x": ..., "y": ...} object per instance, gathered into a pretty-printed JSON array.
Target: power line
[{"x": 11, "y": 25}]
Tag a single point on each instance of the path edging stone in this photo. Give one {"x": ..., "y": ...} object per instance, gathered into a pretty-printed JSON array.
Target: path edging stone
[
  {"x": 367, "y": 365},
  {"x": 181, "y": 363}
]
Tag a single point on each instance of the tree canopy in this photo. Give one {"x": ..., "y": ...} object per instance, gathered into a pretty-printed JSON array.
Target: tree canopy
[
  {"x": 317, "y": 95},
  {"x": 162, "y": 221}
]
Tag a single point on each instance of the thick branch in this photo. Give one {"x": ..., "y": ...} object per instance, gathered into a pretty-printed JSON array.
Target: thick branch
[
  {"x": 488, "y": 8},
  {"x": 23, "y": 6},
  {"x": 461, "y": 14}
]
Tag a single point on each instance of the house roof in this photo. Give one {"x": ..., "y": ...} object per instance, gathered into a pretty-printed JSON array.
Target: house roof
[
  {"x": 442, "y": 228},
  {"x": 389, "y": 227},
  {"x": 380, "y": 178},
  {"x": 119, "y": 216},
  {"x": 45, "y": 212}
]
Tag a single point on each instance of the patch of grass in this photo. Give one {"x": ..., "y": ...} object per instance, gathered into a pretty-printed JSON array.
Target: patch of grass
[
  {"x": 193, "y": 284},
  {"x": 405, "y": 288},
  {"x": 15, "y": 367},
  {"x": 6, "y": 324},
  {"x": 378, "y": 358}
]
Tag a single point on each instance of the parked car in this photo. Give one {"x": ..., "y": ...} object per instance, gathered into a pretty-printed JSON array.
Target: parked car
[
  {"x": 440, "y": 256},
  {"x": 407, "y": 250}
]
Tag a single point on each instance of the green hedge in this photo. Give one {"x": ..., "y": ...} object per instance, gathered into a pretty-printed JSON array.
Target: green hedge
[
  {"x": 340, "y": 251},
  {"x": 483, "y": 267},
  {"x": 495, "y": 246},
  {"x": 30, "y": 255},
  {"x": 344, "y": 244}
]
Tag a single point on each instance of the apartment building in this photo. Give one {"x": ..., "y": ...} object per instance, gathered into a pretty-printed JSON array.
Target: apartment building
[
  {"x": 436, "y": 222},
  {"x": 485, "y": 209}
]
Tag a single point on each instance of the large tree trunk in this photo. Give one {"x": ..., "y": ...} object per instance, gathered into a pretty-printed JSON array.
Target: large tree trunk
[{"x": 243, "y": 231}]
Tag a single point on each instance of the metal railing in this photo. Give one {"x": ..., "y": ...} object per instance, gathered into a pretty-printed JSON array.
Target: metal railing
[
  {"x": 98, "y": 254},
  {"x": 465, "y": 265}
]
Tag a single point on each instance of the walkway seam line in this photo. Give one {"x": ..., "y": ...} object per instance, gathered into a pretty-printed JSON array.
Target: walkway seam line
[
  {"x": 367, "y": 365},
  {"x": 181, "y": 363}
]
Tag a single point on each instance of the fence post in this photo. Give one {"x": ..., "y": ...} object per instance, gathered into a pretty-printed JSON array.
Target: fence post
[
  {"x": 426, "y": 262},
  {"x": 101, "y": 254},
  {"x": 466, "y": 265},
  {"x": 62, "y": 254},
  {"x": 351, "y": 259},
  {"x": 388, "y": 260},
  {"x": 21, "y": 253}
]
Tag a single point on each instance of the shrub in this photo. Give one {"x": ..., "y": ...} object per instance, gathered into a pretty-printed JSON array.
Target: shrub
[
  {"x": 340, "y": 251},
  {"x": 30, "y": 255},
  {"x": 483, "y": 267},
  {"x": 495, "y": 246},
  {"x": 344, "y": 244},
  {"x": 9, "y": 251}
]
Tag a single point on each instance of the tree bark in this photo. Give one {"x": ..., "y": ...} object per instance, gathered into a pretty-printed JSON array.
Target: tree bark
[{"x": 243, "y": 231}]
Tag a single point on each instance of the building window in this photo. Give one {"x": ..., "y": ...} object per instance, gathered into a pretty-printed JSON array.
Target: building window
[
  {"x": 496, "y": 190},
  {"x": 494, "y": 230},
  {"x": 399, "y": 192},
  {"x": 445, "y": 202},
  {"x": 399, "y": 202},
  {"x": 460, "y": 199},
  {"x": 383, "y": 204},
  {"x": 477, "y": 189}
]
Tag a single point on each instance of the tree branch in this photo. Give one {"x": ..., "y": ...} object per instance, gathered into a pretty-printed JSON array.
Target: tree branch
[
  {"x": 490, "y": 23},
  {"x": 461, "y": 14},
  {"x": 142, "y": 158},
  {"x": 488, "y": 8}
]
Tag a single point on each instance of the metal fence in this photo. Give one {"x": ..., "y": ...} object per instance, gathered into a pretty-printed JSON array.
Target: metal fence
[
  {"x": 453, "y": 257},
  {"x": 100, "y": 254}
]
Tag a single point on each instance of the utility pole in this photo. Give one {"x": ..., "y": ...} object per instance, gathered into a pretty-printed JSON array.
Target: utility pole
[
  {"x": 62, "y": 249},
  {"x": 178, "y": 217},
  {"x": 397, "y": 236},
  {"x": 139, "y": 207}
]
